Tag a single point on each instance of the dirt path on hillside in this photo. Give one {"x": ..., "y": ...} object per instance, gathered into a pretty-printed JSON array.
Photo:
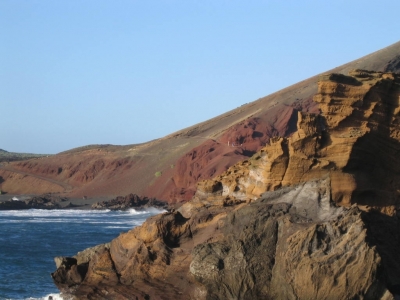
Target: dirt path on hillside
[{"x": 65, "y": 186}]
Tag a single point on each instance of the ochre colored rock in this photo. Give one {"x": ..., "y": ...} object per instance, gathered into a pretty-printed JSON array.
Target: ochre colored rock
[{"x": 354, "y": 141}]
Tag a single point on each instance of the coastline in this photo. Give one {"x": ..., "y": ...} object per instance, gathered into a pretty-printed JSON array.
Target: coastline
[{"x": 77, "y": 203}]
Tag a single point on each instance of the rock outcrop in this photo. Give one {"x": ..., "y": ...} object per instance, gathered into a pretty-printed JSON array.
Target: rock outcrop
[
  {"x": 130, "y": 201},
  {"x": 37, "y": 202},
  {"x": 355, "y": 141},
  {"x": 288, "y": 249},
  {"x": 311, "y": 216}
]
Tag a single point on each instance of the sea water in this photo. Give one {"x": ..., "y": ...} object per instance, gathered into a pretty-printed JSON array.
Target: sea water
[{"x": 30, "y": 239}]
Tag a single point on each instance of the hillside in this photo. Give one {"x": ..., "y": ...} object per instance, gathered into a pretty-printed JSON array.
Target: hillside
[
  {"x": 170, "y": 167},
  {"x": 6, "y": 156}
]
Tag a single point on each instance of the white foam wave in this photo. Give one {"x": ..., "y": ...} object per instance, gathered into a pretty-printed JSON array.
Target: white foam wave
[
  {"x": 73, "y": 212},
  {"x": 150, "y": 210},
  {"x": 111, "y": 222},
  {"x": 49, "y": 296},
  {"x": 133, "y": 211},
  {"x": 51, "y": 212},
  {"x": 131, "y": 217},
  {"x": 136, "y": 222},
  {"x": 121, "y": 227},
  {"x": 77, "y": 221}
]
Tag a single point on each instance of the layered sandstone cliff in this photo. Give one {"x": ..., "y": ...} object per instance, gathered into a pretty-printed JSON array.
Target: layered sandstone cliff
[
  {"x": 355, "y": 141},
  {"x": 311, "y": 216}
]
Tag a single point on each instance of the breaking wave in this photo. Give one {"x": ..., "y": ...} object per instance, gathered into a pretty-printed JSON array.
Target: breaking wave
[
  {"x": 150, "y": 210},
  {"x": 52, "y": 212},
  {"x": 47, "y": 297},
  {"x": 78, "y": 216}
]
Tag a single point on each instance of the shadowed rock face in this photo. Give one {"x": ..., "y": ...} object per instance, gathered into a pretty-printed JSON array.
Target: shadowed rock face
[
  {"x": 270, "y": 227},
  {"x": 279, "y": 251}
]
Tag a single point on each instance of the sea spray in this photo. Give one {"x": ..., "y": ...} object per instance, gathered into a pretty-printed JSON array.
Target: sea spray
[{"x": 49, "y": 297}]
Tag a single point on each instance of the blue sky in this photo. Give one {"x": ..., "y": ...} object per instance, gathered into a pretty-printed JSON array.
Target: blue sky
[{"x": 74, "y": 73}]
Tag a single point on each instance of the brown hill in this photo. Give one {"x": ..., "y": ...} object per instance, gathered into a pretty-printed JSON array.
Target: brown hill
[{"x": 168, "y": 168}]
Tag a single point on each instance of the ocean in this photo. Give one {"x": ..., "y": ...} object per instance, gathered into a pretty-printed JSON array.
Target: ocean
[{"x": 30, "y": 239}]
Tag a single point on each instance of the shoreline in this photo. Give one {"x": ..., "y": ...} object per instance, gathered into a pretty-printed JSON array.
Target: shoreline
[{"x": 78, "y": 203}]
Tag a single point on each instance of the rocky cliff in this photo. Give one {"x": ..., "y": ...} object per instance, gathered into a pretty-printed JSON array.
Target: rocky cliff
[
  {"x": 355, "y": 141},
  {"x": 310, "y": 216}
]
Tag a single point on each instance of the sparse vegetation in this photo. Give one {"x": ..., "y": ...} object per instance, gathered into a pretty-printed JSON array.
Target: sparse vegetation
[
  {"x": 6, "y": 156},
  {"x": 87, "y": 147},
  {"x": 158, "y": 174}
]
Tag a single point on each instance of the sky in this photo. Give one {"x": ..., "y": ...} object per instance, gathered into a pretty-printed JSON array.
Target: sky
[{"x": 80, "y": 72}]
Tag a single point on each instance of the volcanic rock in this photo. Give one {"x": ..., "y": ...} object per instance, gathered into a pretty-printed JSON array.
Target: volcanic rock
[
  {"x": 38, "y": 202},
  {"x": 130, "y": 201},
  {"x": 354, "y": 142}
]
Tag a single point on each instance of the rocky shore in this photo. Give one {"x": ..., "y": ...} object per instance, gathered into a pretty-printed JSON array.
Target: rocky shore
[
  {"x": 130, "y": 201},
  {"x": 49, "y": 201},
  {"x": 37, "y": 202}
]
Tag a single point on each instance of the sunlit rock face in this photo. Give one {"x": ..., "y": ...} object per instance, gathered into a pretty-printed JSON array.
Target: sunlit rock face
[{"x": 355, "y": 141}]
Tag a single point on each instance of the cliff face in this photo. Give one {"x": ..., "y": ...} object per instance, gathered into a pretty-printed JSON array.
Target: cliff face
[
  {"x": 239, "y": 142},
  {"x": 311, "y": 216},
  {"x": 354, "y": 142}
]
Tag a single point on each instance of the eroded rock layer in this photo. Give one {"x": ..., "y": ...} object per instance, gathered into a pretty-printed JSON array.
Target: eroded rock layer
[
  {"x": 355, "y": 141},
  {"x": 285, "y": 224}
]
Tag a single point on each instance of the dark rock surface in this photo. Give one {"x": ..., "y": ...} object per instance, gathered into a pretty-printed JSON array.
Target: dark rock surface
[
  {"x": 130, "y": 201},
  {"x": 38, "y": 202}
]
